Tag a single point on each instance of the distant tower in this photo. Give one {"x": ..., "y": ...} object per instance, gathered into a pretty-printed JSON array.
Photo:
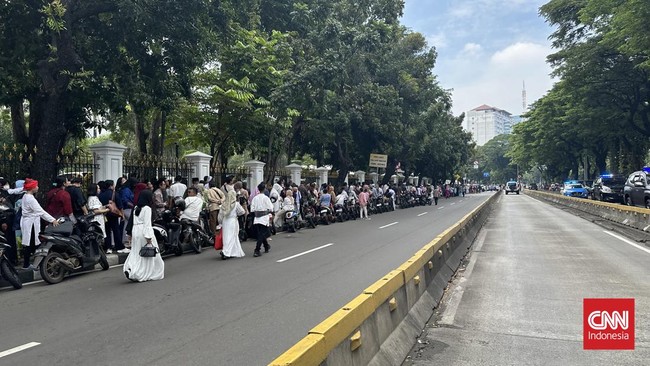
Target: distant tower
[{"x": 524, "y": 103}]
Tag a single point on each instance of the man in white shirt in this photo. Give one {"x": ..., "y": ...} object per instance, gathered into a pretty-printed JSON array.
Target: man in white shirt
[
  {"x": 193, "y": 206},
  {"x": 262, "y": 208},
  {"x": 177, "y": 189}
]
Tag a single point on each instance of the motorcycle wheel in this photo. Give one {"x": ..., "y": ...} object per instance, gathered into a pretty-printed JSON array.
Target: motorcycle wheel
[
  {"x": 10, "y": 274},
  {"x": 103, "y": 261},
  {"x": 195, "y": 241},
  {"x": 51, "y": 271}
]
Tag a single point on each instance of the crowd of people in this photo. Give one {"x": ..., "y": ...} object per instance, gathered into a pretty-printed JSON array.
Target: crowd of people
[{"x": 127, "y": 208}]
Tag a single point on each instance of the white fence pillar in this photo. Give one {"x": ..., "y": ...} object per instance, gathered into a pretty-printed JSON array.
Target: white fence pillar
[
  {"x": 199, "y": 164},
  {"x": 374, "y": 176},
  {"x": 322, "y": 175},
  {"x": 255, "y": 173},
  {"x": 109, "y": 156},
  {"x": 296, "y": 173},
  {"x": 361, "y": 176}
]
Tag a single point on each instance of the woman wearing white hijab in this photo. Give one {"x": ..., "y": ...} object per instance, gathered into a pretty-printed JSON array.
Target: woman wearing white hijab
[{"x": 230, "y": 225}]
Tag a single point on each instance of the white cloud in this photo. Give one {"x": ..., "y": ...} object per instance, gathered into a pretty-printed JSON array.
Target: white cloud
[
  {"x": 498, "y": 80},
  {"x": 438, "y": 40},
  {"x": 472, "y": 49}
]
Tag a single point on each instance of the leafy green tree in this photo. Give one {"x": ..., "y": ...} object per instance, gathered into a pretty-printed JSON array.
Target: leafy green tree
[{"x": 70, "y": 57}]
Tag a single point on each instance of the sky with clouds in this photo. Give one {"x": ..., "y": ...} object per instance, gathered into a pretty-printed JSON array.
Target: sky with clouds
[{"x": 486, "y": 49}]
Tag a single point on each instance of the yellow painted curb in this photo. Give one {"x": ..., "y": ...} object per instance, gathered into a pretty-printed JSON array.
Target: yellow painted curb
[
  {"x": 384, "y": 289},
  {"x": 345, "y": 321},
  {"x": 310, "y": 351}
]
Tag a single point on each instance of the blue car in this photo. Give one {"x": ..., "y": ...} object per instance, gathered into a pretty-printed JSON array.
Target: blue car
[{"x": 575, "y": 190}]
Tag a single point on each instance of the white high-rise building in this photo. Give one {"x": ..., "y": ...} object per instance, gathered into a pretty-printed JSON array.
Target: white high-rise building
[{"x": 485, "y": 122}]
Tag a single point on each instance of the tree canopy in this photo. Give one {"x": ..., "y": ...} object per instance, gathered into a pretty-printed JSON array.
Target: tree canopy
[
  {"x": 596, "y": 118},
  {"x": 277, "y": 79}
]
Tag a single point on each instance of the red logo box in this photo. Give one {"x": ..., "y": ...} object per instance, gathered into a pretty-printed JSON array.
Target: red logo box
[{"x": 608, "y": 324}]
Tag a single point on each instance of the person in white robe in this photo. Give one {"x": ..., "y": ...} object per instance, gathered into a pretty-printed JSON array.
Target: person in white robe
[
  {"x": 30, "y": 222},
  {"x": 230, "y": 210},
  {"x": 137, "y": 268}
]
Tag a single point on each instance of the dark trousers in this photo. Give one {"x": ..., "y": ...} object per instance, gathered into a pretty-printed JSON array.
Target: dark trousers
[
  {"x": 113, "y": 232},
  {"x": 29, "y": 249},
  {"x": 436, "y": 200},
  {"x": 263, "y": 233}
]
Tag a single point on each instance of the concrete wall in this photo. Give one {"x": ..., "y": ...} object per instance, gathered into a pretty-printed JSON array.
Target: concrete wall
[
  {"x": 636, "y": 217},
  {"x": 378, "y": 327}
]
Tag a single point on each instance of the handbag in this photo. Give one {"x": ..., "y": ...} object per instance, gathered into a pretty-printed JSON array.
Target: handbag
[
  {"x": 218, "y": 241},
  {"x": 148, "y": 251},
  {"x": 113, "y": 207}
]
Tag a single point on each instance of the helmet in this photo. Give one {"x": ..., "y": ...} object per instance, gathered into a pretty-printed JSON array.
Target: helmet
[
  {"x": 167, "y": 216},
  {"x": 179, "y": 203}
]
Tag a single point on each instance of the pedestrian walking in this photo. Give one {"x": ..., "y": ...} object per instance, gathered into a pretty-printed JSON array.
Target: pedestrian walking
[
  {"x": 230, "y": 210},
  {"x": 95, "y": 206},
  {"x": 363, "y": 203},
  {"x": 436, "y": 194},
  {"x": 136, "y": 267},
  {"x": 30, "y": 222},
  {"x": 261, "y": 207},
  {"x": 214, "y": 198}
]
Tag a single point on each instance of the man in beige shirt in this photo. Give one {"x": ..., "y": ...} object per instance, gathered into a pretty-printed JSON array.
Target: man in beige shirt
[{"x": 214, "y": 198}]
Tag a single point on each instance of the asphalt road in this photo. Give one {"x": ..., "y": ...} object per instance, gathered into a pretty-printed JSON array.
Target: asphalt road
[
  {"x": 211, "y": 312},
  {"x": 519, "y": 300}
]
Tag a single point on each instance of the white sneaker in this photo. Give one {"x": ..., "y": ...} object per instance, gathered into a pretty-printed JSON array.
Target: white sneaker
[
  {"x": 124, "y": 251},
  {"x": 110, "y": 251}
]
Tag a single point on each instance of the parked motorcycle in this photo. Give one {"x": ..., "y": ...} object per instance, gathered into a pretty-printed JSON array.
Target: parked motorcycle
[
  {"x": 352, "y": 208},
  {"x": 167, "y": 229},
  {"x": 7, "y": 270},
  {"x": 309, "y": 215},
  {"x": 325, "y": 215},
  {"x": 339, "y": 211},
  {"x": 291, "y": 223},
  {"x": 69, "y": 248},
  {"x": 193, "y": 234}
]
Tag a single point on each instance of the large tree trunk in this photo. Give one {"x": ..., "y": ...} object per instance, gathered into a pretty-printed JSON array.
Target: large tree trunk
[
  {"x": 45, "y": 166},
  {"x": 18, "y": 123},
  {"x": 156, "y": 124},
  {"x": 140, "y": 133}
]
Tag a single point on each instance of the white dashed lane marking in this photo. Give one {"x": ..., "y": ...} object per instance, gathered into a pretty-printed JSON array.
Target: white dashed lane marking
[
  {"x": 18, "y": 349},
  {"x": 303, "y": 253},
  {"x": 391, "y": 224}
]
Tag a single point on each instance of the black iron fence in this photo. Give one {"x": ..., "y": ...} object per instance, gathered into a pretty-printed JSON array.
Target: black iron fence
[
  {"x": 239, "y": 174},
  {"x": 15, "y": 161},
  {"x": 78, "y": 164},
  {"x": 145, "y": 166}
]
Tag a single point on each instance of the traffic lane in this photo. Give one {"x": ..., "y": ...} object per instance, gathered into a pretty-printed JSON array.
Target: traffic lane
[
  {"x": 201, "y": 297},
  {"x": 521, "y": 303},
  {"x": 330, "y": 278}
]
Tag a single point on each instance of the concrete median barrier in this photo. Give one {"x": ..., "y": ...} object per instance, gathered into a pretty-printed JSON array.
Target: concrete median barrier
[
  {"x": 378, "y": 327},
  {"x": 635, "y": 217}
]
